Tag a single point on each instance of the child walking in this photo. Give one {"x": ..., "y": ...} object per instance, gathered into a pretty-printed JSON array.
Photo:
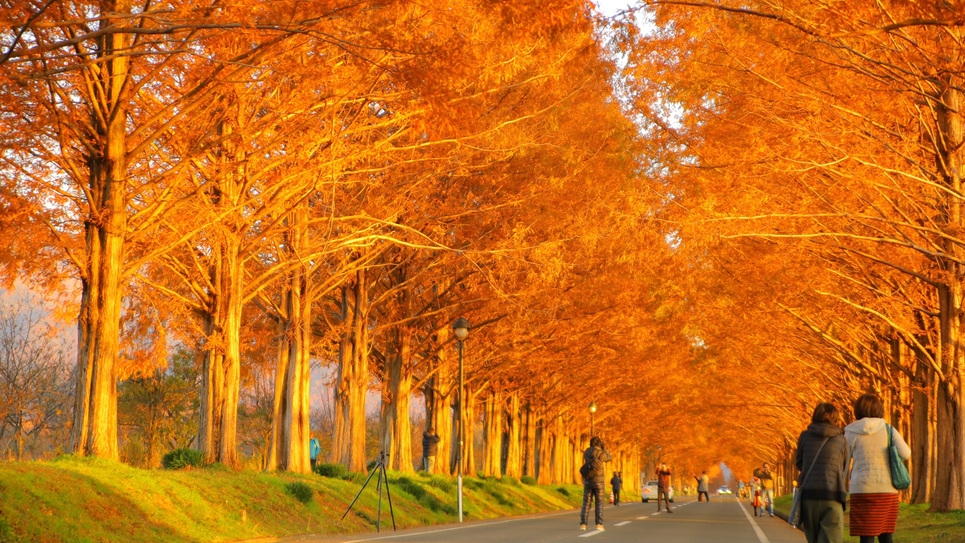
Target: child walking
[{"x": 757, "y": 503}]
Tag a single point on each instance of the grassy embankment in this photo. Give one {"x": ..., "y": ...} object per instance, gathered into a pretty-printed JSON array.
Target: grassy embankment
[
  {"x": 915, "y": 524},
  {"x": 88, "y": 500}
]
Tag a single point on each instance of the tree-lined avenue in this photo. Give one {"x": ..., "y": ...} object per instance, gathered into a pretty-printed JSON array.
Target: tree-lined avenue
[{"x": 704, "y": 218}]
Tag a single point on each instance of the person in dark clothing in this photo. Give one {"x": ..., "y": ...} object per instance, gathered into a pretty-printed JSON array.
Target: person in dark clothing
[
  {"x": 823, "y": 491},
  {"x": 593, "y": 482},
  {"x": 616, "y": 483},
  {"x": 430, "y": 446}
]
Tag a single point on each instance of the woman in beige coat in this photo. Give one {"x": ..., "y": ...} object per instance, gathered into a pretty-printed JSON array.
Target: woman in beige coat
[{"x": 874, "y": 500}]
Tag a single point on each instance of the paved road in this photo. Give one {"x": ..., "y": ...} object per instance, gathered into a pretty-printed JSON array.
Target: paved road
[{"x": 724, "y": 519}]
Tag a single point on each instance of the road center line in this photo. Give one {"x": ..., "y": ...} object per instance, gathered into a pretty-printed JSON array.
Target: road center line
[{"x": 623, "y": 523}]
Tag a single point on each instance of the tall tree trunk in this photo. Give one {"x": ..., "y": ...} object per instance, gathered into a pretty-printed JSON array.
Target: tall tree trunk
[
  {"x": 439, "y": 394},
  {"x": 514, "y": 438},
  {"x": 544, "y": 454},
  {"x": 949, "y": 491},
  {"x": 530, "y": 441},
  {"x": 396, "y": 402},
  {"x": 94, "y": 430},
  {"x": 493, "y": 435},
  {"x": 217, "y": 429},
  {"x": 291, "y": 424},
  {"x": 348, "y": 440},
  {"x": 921, "y": 443},
  {"x": 297, "y": 420},
  {"x": 466, "y": 424},
  {"x": 573, "y": 465},
  {"x": 561, "y": 450},
  {"x": 275, "y": 450},
  {"x": 440, "y": 412}
]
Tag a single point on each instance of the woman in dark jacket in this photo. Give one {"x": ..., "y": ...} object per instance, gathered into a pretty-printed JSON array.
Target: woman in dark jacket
[{"x": 824, "y": 490}]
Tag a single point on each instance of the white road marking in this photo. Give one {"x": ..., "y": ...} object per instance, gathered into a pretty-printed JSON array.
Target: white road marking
[
  {"x": 463, "y": 527},
  {"x": 623, "y": 523},
  {"x": 757, "y": 529}
]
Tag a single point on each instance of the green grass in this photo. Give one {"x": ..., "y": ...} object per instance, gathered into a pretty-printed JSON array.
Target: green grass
[
  {"x": 88, "y": 499},
  {"x": 915, "y": 524}
]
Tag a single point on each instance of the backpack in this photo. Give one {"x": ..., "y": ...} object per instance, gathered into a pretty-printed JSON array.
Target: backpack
[{"x": 591, "y": 469}]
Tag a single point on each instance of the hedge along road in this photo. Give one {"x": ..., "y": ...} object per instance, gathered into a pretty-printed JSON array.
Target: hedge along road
[{"x": 722, "y": 519}]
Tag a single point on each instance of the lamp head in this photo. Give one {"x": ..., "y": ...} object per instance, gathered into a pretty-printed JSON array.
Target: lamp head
[
  {"x": 592, "y": 407},
  {"x": 461, "y": 328}
]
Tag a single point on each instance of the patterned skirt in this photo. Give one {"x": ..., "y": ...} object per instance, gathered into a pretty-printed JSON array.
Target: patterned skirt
[{"x": 873, "y": 514}]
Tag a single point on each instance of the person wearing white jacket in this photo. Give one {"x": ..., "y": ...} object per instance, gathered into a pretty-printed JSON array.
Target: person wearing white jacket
[{"x": 874, "y": 500}]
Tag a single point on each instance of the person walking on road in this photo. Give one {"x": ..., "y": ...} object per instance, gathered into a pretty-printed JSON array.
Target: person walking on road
[
  {"x": 822, "y": 460},
  {"x": 767, "y": 486},
  {"x": 874, "y": 499},
  {"x": 616, "y": 483},
  {"x": 594, "y": 477},
  {"x": 430, "y": 446},
  {"x": 663, "y": 486},
  {"x": 703, "y": 482}
]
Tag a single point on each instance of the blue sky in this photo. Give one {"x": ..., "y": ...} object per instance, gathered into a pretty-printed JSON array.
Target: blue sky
[{"x": 609, "y": 7}]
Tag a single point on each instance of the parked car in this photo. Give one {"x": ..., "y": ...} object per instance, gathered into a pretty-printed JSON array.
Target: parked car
[
  {"x": 649, "y": 492},
  {"x": 723, "y": 490}
]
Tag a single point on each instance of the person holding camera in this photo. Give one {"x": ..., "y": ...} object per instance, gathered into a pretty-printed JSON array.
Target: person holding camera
[
  {"x": 703, "y": 484},
  {"x": 663, "y": 485},
  {"x": 767, "y": 487},
  {"x": 593, "y": 480}
]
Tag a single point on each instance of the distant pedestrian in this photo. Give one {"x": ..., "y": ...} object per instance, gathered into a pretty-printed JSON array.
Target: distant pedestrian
[
  {"x": 703, "y": 482},
  {"x": 616, "y": 483},
  {"x": 874, "y": 499},
  {"x": 430, "y": 447},
  {"x": 767, "y": 486},
  {"x": 663, "y": 486},
  {"x": 756, "y": 502},
  {"x": 314, "y": 448},
  {"x": 593, "y": 480},
  {"x": 822, "y": 459}
]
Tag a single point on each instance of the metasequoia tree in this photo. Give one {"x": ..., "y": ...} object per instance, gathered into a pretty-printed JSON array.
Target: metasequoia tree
[
  {"x": 838, "y": 125},
  {"x": 88, "y": 123}
]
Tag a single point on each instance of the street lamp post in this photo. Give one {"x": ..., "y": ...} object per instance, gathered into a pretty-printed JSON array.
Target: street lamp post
[
  {"x": 461, "y": 329},
  {"x": 592, "y": 408}
]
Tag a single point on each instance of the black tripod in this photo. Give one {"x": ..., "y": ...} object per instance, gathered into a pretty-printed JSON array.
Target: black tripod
[{"x": 380, "y": 468}]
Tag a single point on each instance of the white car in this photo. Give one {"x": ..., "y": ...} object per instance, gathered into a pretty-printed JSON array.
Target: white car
[
  {"x": 723, "y": 490},
  {"x": 649, "y": 492}
]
